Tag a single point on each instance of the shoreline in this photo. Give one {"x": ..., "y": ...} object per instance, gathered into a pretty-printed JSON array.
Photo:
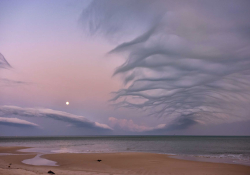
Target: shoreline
[
  {"x": 219, "y": 149},
  {"x": 199, "y": 158},
  {"x": 210, "y": 159},
  {"x": 113, "y": 163}
]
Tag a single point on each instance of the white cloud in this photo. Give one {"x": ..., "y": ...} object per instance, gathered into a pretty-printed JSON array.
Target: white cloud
[
  {"x": 16, "y": 122},
  {"x": 75, "y": 120}
]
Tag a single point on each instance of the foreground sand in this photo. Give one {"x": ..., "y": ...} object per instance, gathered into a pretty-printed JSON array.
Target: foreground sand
[{"x": 115, "y": 163}]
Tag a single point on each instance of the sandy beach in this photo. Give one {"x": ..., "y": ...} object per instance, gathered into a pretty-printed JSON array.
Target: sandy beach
[{"x": 113, "y": 163}]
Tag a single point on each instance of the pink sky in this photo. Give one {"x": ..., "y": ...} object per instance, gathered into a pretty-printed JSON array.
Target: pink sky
[{"x": 54, "y": 60}]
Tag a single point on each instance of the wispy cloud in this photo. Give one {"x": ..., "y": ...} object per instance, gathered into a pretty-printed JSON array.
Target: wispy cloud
[
  {"x": 3, "y": 62},
  {"x": 75, "y": 120},
  {"x": 9, "y": 82},
  {"x": 188, "y": 61},
  {"x": 16, "y": 122},
  {"x": 4, "y": 81},
  {"x": 129, "y": 125}
]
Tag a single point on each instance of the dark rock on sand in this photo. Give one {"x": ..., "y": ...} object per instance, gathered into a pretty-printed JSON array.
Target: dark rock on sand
[
  {"x": 51, "y": 172},
  {"x": 99, "y": 160}
]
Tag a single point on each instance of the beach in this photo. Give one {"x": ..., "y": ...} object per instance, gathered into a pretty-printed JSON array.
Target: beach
[{"x": 113, "y": 163}]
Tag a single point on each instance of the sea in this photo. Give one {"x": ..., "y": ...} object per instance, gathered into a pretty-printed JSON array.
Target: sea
[{"x": 223, "y": 149}]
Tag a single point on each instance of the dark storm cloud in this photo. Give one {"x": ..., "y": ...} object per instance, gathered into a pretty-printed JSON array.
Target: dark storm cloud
[
  {"x": 187, "y": 61},
  {"x": 183, "y": 122},
  {"x": 128, "y": 125},
  {"x": 16, "y": 122},
  {"x": 75, "y": 120}
]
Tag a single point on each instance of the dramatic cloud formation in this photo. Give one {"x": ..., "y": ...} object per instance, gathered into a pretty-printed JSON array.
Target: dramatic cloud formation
[
  {"x": 189, "y": 61},
  {"x": 16, "y": 122},
  {"x": 129, "y": 125},
  {"x": 75, "y": 120}
]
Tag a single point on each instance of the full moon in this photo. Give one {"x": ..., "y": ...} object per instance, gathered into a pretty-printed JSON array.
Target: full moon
[{"x": 67, "y": 103}]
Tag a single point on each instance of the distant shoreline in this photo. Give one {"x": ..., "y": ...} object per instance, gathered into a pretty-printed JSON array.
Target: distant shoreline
[{"x": 83, "y": 136}]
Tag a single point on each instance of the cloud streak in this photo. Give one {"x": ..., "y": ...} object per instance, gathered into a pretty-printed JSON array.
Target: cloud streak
[
  {"x": 188, "y": 62},
  {"x": 3, "y": 62},
  {"x": 16, "y": 122},
  {"x": 8, "y": 82},
  {"x": 78, "y": 121}
]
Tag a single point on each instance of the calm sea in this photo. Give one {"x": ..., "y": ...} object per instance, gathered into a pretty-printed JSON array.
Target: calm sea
[{"x": 202, "y": 148}]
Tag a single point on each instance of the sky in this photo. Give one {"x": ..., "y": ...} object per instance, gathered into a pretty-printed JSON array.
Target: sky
[{"x": 126, "y": 67}]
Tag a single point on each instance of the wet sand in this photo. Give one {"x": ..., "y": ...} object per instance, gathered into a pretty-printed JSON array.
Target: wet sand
[{"x": 115, "y": 163}]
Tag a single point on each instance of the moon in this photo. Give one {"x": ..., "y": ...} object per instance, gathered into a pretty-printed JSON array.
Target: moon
[{"x": 67, "y": 103}]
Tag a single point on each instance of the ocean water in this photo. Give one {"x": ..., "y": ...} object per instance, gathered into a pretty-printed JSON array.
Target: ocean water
[{"x": 225, "y": 149}]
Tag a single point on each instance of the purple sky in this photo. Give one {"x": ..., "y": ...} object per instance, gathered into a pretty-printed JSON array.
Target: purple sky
[{"x": 126, "y": 67}]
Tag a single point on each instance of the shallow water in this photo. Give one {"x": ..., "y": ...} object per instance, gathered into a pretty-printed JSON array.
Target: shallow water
[{"x": 37, "y": 160}]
